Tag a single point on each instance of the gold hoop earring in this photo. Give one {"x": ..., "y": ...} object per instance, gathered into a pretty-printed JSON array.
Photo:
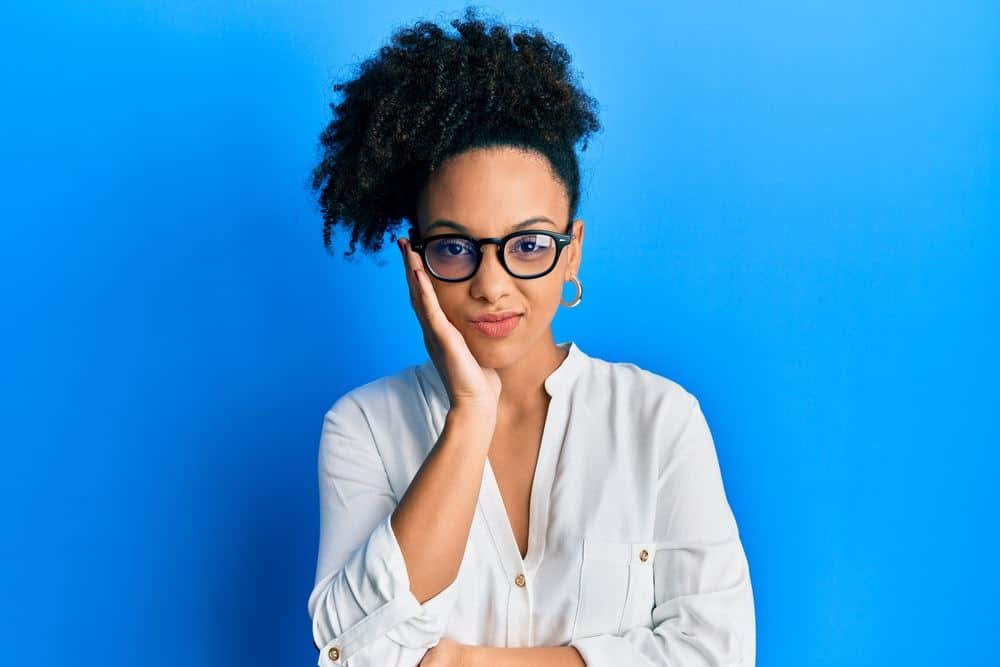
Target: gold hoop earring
[{"x": 579, "y": 295}]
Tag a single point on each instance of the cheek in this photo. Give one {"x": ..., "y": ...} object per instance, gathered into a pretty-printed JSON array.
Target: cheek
[
  {"x": 543, "y": 299},
  {"x": 453, "y": 303}
]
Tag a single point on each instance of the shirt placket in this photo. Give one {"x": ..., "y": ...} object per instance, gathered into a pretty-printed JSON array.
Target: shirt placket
[{"x": 520, "y": 572}]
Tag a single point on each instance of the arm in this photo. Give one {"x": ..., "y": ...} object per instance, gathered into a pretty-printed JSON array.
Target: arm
[
  {"x": 364, "y": 606},
  {"x": 548, "y": 656},
  {"x": 703, "y": 612},
  {"x": 434, "y": 516}
]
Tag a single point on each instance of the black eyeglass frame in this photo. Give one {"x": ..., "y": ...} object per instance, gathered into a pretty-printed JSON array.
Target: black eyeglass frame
[{"x": 562, "y": 240}]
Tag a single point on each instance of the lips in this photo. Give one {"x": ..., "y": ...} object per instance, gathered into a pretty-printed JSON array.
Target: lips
[
  {"x": 497, "y": 328},
  {"x": 495, "y": 317}
]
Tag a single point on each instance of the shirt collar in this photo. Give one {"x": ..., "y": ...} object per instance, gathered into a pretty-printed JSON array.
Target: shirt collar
[
  {"x": 558, "y": 381},
  {"x": 561, "y": 379}
]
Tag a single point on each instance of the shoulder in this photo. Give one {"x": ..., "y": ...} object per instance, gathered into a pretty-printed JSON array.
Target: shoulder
[
  {"x": 650, "y": 395},
  {"x": 363, "y": 419},
  {"x": 380, "y": 396},
  {"x": 652, "y": 412}
]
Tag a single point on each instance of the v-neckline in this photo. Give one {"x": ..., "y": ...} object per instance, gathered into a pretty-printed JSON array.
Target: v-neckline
[
  {"x": 494, "y": 510},
  {"x": 490, "y": 503}
]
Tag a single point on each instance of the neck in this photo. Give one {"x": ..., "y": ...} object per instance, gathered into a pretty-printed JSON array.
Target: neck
[{"x": 523, "y": 381}]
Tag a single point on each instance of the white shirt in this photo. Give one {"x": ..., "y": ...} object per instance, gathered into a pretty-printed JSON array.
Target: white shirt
[{"x": 634, "y": 556}]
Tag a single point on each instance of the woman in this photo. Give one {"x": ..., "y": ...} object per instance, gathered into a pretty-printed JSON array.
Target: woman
[{"x": 511, "y": 500}]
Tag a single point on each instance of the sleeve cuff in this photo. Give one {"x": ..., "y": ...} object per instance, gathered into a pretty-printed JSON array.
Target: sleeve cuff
[
  {"x": 426, "y": 627},
  {"x": 377, "y": 577}
]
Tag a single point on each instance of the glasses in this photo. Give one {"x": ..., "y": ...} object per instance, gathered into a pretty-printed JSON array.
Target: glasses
[{"x": 524, "y": 254}]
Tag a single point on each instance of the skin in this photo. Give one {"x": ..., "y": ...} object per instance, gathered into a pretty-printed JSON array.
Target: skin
[{"x": 488, "y": 191}]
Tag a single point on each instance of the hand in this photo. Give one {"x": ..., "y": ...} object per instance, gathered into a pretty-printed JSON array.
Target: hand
[
  {"x": 469, "y": 385},
  {"x": 446, "y": 653}
]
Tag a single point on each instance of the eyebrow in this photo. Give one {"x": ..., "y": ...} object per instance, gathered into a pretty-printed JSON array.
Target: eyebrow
[{"x": 520, "y": 225}]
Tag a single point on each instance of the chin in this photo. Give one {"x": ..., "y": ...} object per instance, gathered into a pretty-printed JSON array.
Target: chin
[{"x": 494, "y": 352}]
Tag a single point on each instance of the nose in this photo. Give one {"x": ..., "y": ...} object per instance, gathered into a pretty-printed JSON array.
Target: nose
[{"x": 491, "y": 280}]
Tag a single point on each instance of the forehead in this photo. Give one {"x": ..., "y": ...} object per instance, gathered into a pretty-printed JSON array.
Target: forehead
[{"x": 488, "y": 190}]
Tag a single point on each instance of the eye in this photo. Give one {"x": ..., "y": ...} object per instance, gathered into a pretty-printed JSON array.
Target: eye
[
  {"x": 534, "y": 244},
  {"x": 449, "y": 248}
]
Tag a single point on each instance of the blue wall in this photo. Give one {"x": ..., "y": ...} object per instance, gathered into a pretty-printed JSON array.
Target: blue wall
[{"x": 821, "y": 183}]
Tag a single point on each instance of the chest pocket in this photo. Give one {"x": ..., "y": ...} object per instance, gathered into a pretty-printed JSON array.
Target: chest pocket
[{"x": 615, "y": 587}]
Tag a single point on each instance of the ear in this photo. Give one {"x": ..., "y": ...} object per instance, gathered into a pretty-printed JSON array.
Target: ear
[{"x": 575, "y": 249}]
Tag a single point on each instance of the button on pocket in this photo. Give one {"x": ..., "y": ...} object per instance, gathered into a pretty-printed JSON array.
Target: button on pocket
[{"x": 615, "y": 587}]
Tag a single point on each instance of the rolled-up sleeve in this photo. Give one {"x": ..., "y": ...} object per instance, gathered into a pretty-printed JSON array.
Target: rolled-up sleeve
[
  {"x": 363, "y": 612},
  {"x": 703, "y": 611}
]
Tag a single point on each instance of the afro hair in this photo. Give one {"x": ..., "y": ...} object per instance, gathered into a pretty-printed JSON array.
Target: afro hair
[{"x": 427, "y": 96}]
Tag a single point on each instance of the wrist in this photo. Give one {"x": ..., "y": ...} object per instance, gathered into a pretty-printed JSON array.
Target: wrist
[{"x": 477, "y": 420}]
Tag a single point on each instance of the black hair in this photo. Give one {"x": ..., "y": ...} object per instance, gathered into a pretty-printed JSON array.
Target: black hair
[{"x": 427, "y": 96}]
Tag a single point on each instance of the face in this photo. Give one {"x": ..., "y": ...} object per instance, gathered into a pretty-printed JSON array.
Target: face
[{"x": 489, "y": 191}]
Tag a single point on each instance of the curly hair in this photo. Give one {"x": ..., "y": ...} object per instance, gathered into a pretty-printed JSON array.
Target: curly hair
[{"x": 427, "y": 96}]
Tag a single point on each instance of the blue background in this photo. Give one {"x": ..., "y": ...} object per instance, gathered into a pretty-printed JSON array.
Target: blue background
[{"x": 818, "y": 184}]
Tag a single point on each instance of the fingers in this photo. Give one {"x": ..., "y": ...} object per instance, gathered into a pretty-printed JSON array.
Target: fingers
[
  {"x": 401, "y": 244},
  {"x": 421, "y": 290},
  {"x": 412, "y": 284}
]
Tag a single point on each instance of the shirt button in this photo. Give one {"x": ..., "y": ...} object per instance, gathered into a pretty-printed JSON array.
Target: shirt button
[
  {"x": 334, "y": 653},
  {"x": 519, "y": 580},
  {"x": 643, "y": 555}
]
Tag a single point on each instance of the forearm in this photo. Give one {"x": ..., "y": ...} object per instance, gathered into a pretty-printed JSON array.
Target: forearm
[
  {"x": 434, "y": 516},
  {"x": 547, "y": 656}
]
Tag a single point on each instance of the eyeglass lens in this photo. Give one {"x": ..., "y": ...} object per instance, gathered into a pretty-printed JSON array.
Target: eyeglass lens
[{"x": 454, "y": 258}]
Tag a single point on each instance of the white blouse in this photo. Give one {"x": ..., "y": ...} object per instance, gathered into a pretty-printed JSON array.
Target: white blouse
[{"x": 634, "y": 556}]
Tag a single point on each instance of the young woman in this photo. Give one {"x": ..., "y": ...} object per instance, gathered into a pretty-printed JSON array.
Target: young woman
[{"x": 511, "y": 500}]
